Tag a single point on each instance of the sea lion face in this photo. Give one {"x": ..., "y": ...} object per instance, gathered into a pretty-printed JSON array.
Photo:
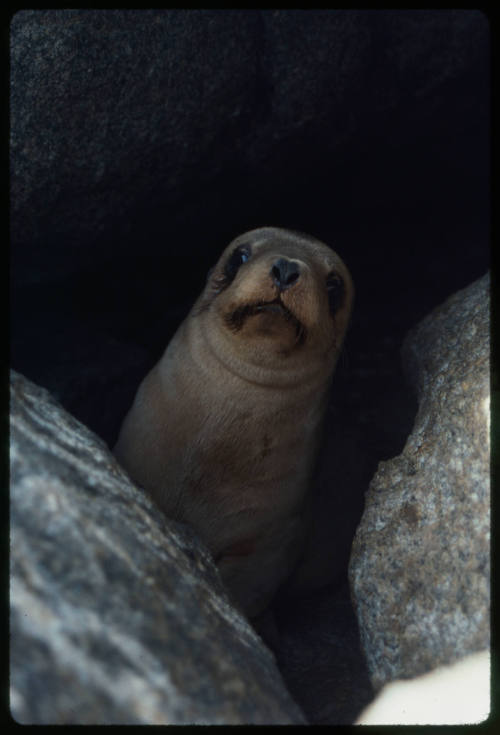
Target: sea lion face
[{"x": 281, "y": 293}]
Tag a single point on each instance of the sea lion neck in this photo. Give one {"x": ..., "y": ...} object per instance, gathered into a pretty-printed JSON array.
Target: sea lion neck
[{"x": 264, "y": 366}]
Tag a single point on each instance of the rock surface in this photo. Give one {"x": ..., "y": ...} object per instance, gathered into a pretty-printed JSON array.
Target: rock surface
[
  {"x": 117, "y": 615},
  {"x": 120, "y": 118},
  {"x": 143, "y": 141},
  {"x": 420, "y": 563}
]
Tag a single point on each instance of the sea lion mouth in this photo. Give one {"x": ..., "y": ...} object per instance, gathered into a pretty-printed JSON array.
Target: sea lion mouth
[{"x": 238, "y": 317}]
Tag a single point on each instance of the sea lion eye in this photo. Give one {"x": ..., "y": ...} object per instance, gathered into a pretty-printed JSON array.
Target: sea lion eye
[
  {"x": 239, "y": 256},
  {"x": 336, "y": 290}
]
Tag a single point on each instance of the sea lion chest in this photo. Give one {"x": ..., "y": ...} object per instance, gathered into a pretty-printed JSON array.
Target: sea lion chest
[{"x": 232, "y": 448}]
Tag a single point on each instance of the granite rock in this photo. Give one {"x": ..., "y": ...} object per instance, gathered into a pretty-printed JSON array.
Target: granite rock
[
  {"x": 121, "y": 118},
  {"x": 143, "y": 141},
  {"x": 118, "y": 616},
  {"x": 420, "y": 562}
]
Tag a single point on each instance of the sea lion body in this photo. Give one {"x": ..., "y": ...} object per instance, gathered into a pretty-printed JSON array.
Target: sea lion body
[{"x": 224, "y": 430}]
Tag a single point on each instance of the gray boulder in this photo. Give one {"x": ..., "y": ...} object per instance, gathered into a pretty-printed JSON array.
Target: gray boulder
[
  {"x": 121, "y": 117},
  {"x": 420, "y": 562},
  {"x": 118, "y": 615}
]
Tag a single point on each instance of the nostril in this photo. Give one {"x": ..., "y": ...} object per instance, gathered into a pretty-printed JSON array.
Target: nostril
[
  {"x": 284, "y": 273},
  {"x": 276, "y": 274}
]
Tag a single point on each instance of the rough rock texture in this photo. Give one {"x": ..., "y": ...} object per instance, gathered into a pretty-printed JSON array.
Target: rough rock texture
[
  {"x": 117, "y": 616},
  {"x": 419, "y": 568},
  {"x": 143, "y": 141},
  {"x": 124, "y": 117}
]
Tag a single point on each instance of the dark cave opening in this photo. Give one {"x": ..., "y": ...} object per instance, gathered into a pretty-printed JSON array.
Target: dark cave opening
[{"x": 102, "y": 275}]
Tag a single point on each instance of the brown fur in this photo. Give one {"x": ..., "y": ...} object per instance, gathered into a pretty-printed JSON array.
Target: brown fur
[{"x": 224, "y": 430}]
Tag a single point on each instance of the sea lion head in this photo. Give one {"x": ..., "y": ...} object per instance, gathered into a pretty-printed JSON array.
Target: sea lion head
[{"x": 279, "y": 295}]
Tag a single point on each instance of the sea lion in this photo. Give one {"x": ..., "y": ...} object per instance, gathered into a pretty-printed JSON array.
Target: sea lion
[{"x": 224, "y": 430}]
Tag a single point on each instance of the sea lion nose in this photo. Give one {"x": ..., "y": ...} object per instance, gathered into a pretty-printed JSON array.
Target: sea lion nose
[{"x": 284, "y": 273}]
